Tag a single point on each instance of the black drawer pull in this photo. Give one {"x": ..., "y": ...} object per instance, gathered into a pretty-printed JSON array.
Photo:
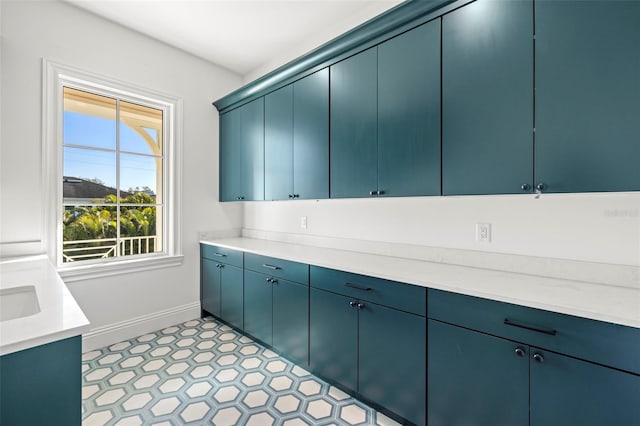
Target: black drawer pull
[
  {"x": 275, "y": 268},
  {"x": 357, "y": 287},
  {"x": 220, "y": 254},
  {"x": 507, "y": 321}
]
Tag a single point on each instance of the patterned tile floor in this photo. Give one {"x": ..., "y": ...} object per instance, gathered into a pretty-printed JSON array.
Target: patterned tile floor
[{"x": 204, "y": 372}]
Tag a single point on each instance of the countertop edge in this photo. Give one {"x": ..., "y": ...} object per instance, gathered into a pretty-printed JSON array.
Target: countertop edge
[{"x": 501, "y": 296}]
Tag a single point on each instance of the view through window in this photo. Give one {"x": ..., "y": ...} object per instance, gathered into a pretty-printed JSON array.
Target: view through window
[{"x": 112, "y": 177}]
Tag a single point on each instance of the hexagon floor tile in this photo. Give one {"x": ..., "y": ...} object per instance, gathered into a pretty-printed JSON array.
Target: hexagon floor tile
[{"x": 203, "y": 372}]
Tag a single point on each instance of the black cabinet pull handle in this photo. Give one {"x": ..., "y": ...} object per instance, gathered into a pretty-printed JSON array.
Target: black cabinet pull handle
[
  {"x": 221, "y": 266},
  {"x": 296, "y": 195},
  {"x": 218, "y": 265},
  {"x": 290, "y": 195},
  {"x": 525, "y": 187},
  {"x": 538, "y": 358},
  {"x": 379, "y": 192},
  {"x": 360, "y": 305},
  {"x": 507, "y": 321},
  {"x": 275, "y": 268},
  {"x": 269, "y": 280},
  {"x": 357, "y": 287},
  {"x": 519, "y": 352},
  {"x": 220, "y": 254},
  {"x": 352, "y": 304}
]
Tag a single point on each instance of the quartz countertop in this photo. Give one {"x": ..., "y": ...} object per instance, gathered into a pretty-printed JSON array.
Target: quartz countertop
[
  {"x": 59, "y": 317},
  {"x": 614, "y": 304}
]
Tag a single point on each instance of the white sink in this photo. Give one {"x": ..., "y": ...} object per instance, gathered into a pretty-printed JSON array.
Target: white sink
[{"x": 18, "y": 302}]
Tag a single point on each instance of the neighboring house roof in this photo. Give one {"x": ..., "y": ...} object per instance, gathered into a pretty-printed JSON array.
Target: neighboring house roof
[{"x": 78, "y": 188}]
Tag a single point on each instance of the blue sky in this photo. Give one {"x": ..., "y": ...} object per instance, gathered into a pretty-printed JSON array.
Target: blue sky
[{"x": 91, "y": 131}]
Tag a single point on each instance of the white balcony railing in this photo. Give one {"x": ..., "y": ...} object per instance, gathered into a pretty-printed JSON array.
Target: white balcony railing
[{"x": 107, "y": 247}]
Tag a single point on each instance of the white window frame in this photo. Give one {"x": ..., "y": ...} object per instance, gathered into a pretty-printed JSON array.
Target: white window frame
[{"x": 56, "y": 76}]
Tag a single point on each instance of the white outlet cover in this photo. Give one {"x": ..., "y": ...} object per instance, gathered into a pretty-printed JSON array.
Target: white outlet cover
[{"x": 483, "y": 232}]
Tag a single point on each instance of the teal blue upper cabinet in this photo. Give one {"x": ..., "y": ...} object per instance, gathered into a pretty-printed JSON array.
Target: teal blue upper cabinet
[
  {"x": 297, "y": 139},
  {"x": 242, "y": 153},
  {"x": 409, "y": 113},
  {"x": 278, "y": 144},
  {"x": 311, "y": 136},
  {"x": 230, "y": 152},
  {"x": 487, "y": 98},
  {"x": 353, "y": 156},
  {"x": 587, "y": 96},
  {"x": 252, "y": 146}
]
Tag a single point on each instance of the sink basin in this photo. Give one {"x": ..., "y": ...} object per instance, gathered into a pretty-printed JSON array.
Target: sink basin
[{"x": 18, "y": 302}]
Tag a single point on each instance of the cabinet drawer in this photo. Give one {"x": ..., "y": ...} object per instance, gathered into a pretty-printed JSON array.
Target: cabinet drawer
[
  {"x": 605, "y": 343},
  {"x": 396, "y": 295},
  {"x": 221, "y": 254},
  {"x": 292, "y": 271}
]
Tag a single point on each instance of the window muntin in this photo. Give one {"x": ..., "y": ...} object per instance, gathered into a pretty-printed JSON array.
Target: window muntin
[{"x": 113, "y": 177}]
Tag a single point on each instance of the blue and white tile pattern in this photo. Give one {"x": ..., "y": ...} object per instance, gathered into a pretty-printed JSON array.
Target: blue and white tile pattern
[{"x": 204, "y": 372}]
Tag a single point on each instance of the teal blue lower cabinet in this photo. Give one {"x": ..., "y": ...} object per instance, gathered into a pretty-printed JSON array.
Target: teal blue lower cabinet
[
  {"x": 333, "y": 338},
  {"x": 210, "y": 286},
  {"x": 497, "y": 363},
  {"x": 222, "y": 284},
  {"x": 277, "y": 313},
  {"x": 231, "y": 295},
  {"x": 42, "y": 385},
  {"x": 375, "y": 351},
  {"x": 475, "y": 378},
  {"x": 291, "y": 319},
  {"x": 568, "y": 391},
  {"x": 258, "y": 306},
  {"x": 391, "y": 360}
]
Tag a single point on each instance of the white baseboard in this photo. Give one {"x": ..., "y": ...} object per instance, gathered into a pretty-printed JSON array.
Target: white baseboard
[{"x": 125, "y": 330}]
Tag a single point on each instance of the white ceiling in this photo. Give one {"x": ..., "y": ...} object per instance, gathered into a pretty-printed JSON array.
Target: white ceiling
[{"x": 244, "y": 36}]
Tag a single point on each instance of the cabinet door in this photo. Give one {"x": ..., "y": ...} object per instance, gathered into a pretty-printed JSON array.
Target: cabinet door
[
  {"x": 588, "y": 95},
  {"x": 392, "y": 360},
  {"x": 291, "y": 319},
  {"x": 475, "y": 378},
  {"x": 278, "y": 144},
  {"x": 409, "y": 113},
  {"x": 210, "y": 286},
  {"x": 487, "y": 98},
  {"x": 231, "y": 295},
  {"x": 230, "y": 152},
  {"x": 354, "y": 157},
  {"x": 333, "y": 337},
  {"x": 252, "y": 154},
  {"x": 567, "y": 391},
  {"x": 258, "y": 303},
  {"x": 311, "y": 136}
]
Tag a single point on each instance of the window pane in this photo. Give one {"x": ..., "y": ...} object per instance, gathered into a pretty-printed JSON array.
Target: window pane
[
  {"x": 140, "y": 129},
  {"x": 89, "y": 232},
  {"x": 89, "y": 175},
  {"x": 89, "y": 120},
  {"x": 140, "y": 174},
  {"x": 140, "y": 230}
]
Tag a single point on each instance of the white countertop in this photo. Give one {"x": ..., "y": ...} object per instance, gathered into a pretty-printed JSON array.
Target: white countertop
[
  {"x": 60, "y": 316},
  {"x": 619, "y": 305}
]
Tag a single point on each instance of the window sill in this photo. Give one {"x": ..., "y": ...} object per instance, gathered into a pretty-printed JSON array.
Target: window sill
[{"x": 88, "y": 272}]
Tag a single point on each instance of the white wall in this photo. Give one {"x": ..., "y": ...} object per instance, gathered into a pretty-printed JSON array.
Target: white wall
[
  {"x": 328, "y": 33},
  {"x": 32, "y": 30},
  {"x": 587, "y": 227}
]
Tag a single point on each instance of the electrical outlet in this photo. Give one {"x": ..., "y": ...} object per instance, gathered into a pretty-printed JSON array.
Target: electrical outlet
[
  {"x": 483, "y": 232},
  {"x": 303, "y": 222}
]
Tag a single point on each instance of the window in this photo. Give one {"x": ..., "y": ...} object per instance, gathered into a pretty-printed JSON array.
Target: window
[{"x": 111, "y": 161}]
